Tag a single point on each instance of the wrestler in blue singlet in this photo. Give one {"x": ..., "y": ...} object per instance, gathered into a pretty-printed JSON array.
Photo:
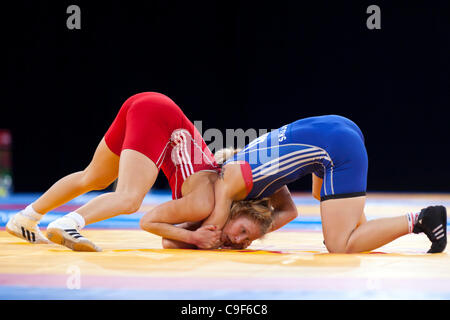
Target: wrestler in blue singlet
[{"x": 331, "y": 147}]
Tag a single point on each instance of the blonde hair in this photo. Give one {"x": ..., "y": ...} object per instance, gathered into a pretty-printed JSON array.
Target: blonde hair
[
  {"x": 259, "y": 211},
  {"x": 224, "y": 154}
]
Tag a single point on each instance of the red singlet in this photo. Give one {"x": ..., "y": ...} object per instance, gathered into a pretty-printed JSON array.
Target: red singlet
[{"x": 152, "y": 124}]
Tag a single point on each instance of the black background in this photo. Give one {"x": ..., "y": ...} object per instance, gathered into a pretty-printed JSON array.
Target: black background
[{"x": 231, "y": 64}]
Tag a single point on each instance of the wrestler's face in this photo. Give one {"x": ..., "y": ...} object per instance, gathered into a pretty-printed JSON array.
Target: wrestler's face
[{"x": 240, "y": 232}]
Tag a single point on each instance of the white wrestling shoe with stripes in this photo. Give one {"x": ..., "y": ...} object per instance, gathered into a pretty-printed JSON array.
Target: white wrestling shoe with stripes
[
  {"x": 26, "y": 228},
  {"x": 65, "y": 231}
]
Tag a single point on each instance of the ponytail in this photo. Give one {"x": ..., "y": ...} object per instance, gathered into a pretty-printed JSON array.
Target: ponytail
[{"x": 223, "y": 155}]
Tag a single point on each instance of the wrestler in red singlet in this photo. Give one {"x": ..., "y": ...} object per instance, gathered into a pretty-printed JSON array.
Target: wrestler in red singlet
[{"x": 152, "y": 124}]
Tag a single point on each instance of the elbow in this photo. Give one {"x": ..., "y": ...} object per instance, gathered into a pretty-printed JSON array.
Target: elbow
[
  {"x": 167, "y": 244},
  {"x": 293, "y": 214},
  {"x": 145, "y": 223},
  {"x": 172, "y": 244}
]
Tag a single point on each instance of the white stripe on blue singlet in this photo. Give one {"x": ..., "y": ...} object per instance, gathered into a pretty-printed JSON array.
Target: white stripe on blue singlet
[
  {"x": 279, "y": 166},
  {"x": 265, "y": 174},
  {"x": 290, "y": 172},
  {"x": 284, "y": 157}
]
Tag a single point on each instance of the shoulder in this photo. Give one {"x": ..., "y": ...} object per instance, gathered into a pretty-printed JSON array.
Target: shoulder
[{"x": 234, "y": 177}]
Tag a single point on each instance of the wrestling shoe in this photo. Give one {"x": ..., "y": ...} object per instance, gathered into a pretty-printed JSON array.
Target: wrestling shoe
[
  {"x": 26, "y": 228},
  {"x": 433, "y": 222},
  {"x": 65, "y": 231}
]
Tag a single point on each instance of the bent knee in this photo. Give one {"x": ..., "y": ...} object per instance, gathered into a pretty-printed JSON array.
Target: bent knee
[
  {"x": 351, "y": 247},
  {"x": 129, "y": 202},
  {"x": 336, "y": 249},
  {"x": 336, "y": 245},
  {"x": 341, "y": 248}
]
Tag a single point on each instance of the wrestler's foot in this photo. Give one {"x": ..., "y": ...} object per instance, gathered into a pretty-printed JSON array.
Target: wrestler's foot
[
  {"x": 433, "y": 222},
  {"x": 65, "y": 231},
  {"x": 26, "y": 228}
]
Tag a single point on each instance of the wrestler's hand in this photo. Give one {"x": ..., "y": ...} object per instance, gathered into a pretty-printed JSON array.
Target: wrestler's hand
[{"x": 207, "y": 237}]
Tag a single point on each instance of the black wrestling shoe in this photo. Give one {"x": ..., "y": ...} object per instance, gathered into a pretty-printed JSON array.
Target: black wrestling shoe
[{"x": 433, "y": 222}]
